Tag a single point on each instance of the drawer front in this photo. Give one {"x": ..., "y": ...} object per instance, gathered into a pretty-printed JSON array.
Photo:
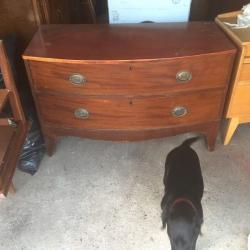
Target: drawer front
[
  {"x": 132, "y": 78},
  {"x": 131, "y": 113},
  {"x": 240, "y": 105},
  {"x": 247, "y": 46},
  {"x": 245, "y": 74}
]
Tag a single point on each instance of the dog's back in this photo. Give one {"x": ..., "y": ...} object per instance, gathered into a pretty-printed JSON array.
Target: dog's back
[{"x": 183, "y": 172}]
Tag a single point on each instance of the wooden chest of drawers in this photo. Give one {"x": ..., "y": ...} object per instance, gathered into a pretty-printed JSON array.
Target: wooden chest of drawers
[
  {"x": 129, "y": 82},
  {"x": 238, "y": 104}
]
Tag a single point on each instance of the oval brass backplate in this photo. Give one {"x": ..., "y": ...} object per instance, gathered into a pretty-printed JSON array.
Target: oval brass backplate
[
  {"x": 179, "y": 111},
  {"x": 81, "y": 113},
  {"x": 183, "y": 76},
  {"x": 77, "y": 79}
]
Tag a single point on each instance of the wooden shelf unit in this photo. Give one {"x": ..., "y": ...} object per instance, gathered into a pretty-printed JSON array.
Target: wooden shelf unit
[{"x": 12, "y": 129}]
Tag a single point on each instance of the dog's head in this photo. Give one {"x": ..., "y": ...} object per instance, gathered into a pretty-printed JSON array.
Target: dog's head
[{"x": 183, "y": 226}]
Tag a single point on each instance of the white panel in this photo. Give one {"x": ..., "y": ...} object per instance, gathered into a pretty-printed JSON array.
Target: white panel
[{"x": 131, "y": 11}]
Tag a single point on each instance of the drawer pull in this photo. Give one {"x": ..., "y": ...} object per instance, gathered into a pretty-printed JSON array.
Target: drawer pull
[
  {"x": 81, "y": 113},
  {"x": 179, "y": 111},
  {"x": 183, "y": 76},
  {"x": 77, "y": 79}
]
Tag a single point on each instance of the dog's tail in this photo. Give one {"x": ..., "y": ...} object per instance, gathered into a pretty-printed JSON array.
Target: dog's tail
[{"x": 190, "y": 141}]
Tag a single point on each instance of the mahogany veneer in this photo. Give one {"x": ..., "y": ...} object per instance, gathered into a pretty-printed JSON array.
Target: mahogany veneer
[
  {"x": 129, "y": 82},
  {"x": 3, "y": 97}
]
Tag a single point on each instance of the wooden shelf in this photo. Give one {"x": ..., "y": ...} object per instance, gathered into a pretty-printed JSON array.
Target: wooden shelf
[
  {"x": 6, "y": 135},
  {"x": 3, "y": 97}
]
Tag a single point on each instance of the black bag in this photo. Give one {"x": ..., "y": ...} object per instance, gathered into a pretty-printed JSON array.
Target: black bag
[{"x": 33, "y": 149}]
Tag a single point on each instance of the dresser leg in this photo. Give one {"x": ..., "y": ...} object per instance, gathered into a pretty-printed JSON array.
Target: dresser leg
[
  {"x": 50, "y": 144},
  {"x": 231, "y": 127},
  {"x": 211, "y": 135},
  {"x": 12, "y": 188}
]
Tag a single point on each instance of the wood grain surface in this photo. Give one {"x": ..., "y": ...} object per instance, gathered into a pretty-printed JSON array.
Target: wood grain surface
[
  {"x": 125, "y": 42},
  {"x": 245, "y": 73},
  {"x": 134, "y": 78},
  {"x": 240, "y": 103},
  {"x": 3, "y": 97},
  {"x": 131, "y": 113}
]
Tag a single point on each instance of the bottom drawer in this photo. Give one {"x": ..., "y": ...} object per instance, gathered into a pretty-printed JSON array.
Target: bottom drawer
[
  {"x": 240, "y": 104},
  {"x": 131, "y": 113}
]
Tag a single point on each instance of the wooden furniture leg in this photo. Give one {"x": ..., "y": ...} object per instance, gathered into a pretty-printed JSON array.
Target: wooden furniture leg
[
  {"x": 12, "y": 188},
  {"x": 50, "y": 144},
  {"x": 231, "y": 127},
  {"x": 211, "y": 135}
]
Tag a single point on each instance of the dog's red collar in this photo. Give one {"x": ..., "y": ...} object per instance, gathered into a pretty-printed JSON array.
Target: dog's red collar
[{"x": 178, "y": 200}]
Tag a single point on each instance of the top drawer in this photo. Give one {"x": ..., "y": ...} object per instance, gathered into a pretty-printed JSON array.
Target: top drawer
[{"x": 132, "y": 78}]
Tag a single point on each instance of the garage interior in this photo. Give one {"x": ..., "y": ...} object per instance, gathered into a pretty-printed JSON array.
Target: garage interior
[{"x": 97, "y": 194}]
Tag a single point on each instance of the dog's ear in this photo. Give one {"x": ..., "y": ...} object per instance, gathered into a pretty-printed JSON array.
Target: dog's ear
[
  {"x": 164, "y": 218},
  {"x": 164, "y": 211},
  {"x": 198, "y": 225},
  {"x": 199, "y": 220}
]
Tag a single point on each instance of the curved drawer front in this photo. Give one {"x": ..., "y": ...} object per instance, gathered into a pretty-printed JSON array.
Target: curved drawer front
[
  {"x": 132, "y": 78},
  {"x": 131, "y": 113}
]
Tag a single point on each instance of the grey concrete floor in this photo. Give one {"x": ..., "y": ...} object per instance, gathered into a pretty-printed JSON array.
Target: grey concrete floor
[{"x": 106, "y": 195}]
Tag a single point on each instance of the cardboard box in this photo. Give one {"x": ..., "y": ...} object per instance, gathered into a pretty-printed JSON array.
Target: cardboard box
[{"x": 131, "y": 11}]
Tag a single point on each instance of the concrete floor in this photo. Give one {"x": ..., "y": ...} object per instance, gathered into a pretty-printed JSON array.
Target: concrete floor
[{"x": 103, "y": 195}]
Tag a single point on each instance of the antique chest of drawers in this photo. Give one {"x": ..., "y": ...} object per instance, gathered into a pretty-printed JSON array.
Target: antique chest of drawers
[
  {"x": 129, "y": 82},
  {"x": 238, "y": 103}
]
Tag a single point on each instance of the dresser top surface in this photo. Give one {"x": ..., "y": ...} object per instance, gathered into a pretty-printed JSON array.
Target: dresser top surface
[{"x": 103, "y": 42}]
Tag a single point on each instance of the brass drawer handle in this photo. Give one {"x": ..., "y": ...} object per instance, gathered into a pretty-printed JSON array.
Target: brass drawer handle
[
  {"x": 179, "y": 111},
  {"x": 77, "y": 79},
  {"x": 81, "y": 113},
  {"x": 183, "y": 76}
]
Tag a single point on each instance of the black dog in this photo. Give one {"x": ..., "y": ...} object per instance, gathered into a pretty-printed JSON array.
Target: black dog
[{"x": 181, "y": 204}]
